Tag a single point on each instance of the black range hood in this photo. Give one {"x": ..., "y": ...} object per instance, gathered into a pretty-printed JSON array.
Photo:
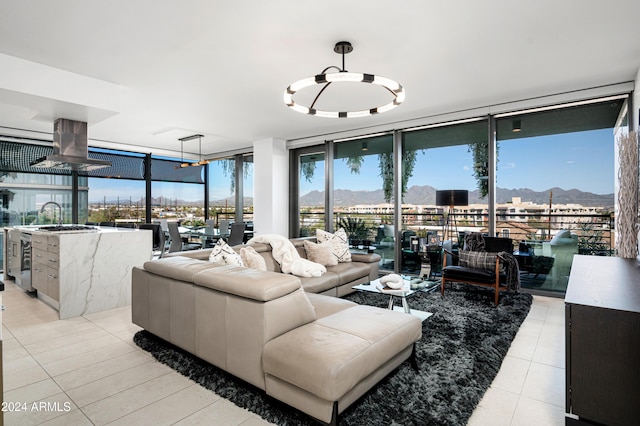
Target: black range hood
[{"x": 70, "y": 148}]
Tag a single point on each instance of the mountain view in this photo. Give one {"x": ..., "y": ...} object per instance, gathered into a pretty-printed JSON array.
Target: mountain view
[
  {"x": 420, "y": 195},
  {"x": 426, "y": 195}
]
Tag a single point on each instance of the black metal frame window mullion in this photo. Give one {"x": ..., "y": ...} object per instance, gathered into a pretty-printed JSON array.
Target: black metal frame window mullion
[{"x": 329, "y": 153}]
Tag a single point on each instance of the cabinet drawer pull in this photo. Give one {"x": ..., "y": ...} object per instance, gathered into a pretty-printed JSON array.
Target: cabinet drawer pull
[
  {"x": 53, "y": 276},
  {"x": 38, "y": 255},
  {"x": 52, "y": 245},
  {"x": 52, "y": 260}
]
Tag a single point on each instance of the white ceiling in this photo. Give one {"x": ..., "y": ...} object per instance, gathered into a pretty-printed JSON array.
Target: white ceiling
[{"x": 220, "y": 68}]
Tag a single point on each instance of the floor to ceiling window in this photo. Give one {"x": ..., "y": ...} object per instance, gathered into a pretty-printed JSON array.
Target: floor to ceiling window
[
  {"x": 247, "y": 189},
  {"x": 363, "y": 194},
  {"x": 555, "y": 188},
  {"x": 116, "y": 200},
  {"x": 222, "y": 189},
  {"x": 25, "y": 190},
  {"x": 22, "y": 195},
  {"x": 311, "y": 194},
  {"x": 450, "y": 157}
]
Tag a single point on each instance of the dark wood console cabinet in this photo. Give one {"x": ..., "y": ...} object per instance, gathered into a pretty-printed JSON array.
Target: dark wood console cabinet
[{"x": 603, "y": 341}]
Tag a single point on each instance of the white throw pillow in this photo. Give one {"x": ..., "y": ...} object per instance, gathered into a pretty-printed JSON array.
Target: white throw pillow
[
  {"x": 252, "y": 259},
  {"x": 339, "y": 242},
  {"x": 321, "y": 253},
  {"x": 223, "y": 254}
]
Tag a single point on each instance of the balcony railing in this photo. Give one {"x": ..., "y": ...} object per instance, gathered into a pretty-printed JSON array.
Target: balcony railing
[{"x": 596, "y": 232}]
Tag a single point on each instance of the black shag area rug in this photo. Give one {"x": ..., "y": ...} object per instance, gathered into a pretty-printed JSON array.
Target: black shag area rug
[{"x": 461, "y": 350}]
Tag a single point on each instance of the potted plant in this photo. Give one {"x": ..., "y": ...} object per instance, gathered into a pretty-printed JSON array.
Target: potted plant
[
  {"x": 422, "y": 234},
  {"x": 355, "y": 228}
]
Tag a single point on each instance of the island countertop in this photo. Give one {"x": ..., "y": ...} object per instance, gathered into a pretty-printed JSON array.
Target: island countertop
[
  {"x": 41, "y": 229},
  {"x": 81, "y": 272}
]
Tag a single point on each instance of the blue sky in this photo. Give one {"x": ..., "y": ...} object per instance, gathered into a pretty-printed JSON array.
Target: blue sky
[
  {"x": 100, "y": 188},
  {"x": 582, "y": 160}
]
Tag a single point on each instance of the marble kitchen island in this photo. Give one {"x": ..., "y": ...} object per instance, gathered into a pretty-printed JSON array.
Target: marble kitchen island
[{"x": 80, "y": 272}]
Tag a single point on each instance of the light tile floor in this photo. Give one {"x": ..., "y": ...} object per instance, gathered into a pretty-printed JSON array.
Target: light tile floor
[{"x": 88, "y": 371}]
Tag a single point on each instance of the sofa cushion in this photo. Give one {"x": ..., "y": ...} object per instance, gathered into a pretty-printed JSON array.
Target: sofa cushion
[
  {"x": 248, "y": 283},
  {"x": 320, "y": 284},
  {"x": 321, "y": 253},
  {"x": 351, "y": 271},
  {"x": 223, "y": 254},
  {"x": 328, "y": 305},
  {"x": 252, "y": 259},
  {"x": 264, "y": 250},
  {"x": 339, "y": 242},
  {"x": 178, "y": 267},
  {"x": 335, "y": 353}
]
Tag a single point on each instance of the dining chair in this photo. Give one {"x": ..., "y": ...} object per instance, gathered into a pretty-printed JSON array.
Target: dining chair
[
  {"x": 237, "y": 234},
  {"x": 176, "y": 240},
  {"x": 209, "y": 237},
  {"x": 223, "y": 224}
]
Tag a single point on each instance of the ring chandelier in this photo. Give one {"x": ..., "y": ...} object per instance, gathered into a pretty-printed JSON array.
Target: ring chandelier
[{"x": 342, "y": 76}]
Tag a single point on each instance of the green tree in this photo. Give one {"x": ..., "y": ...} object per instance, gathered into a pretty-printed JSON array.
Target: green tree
[
  {"x": 385, "y": 163},
  {"x": 480, "y": 151}
]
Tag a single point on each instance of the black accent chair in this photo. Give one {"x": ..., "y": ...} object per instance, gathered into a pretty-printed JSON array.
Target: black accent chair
[{"x": 486, "y": 267}]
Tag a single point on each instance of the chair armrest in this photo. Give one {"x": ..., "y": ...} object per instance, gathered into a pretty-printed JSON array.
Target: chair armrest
[{"x": 444, "y": 258}]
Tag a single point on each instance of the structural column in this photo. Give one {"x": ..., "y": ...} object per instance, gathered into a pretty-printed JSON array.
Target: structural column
[
  {"x": 271, "y": 187},
  {"x": 492, "y": 141}
]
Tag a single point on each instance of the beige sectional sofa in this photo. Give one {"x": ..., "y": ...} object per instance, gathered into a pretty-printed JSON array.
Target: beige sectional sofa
[
  {"x": 314, "y": 352},
  {"x": 337, "y": 281}
]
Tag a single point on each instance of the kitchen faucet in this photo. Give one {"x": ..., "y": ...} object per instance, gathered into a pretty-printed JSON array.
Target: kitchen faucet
[{"x": 59, "y": 208}]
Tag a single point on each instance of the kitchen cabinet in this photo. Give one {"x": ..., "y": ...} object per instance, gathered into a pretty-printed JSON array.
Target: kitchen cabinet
[
  {"x": 45, "y": 266},
  {"x": 12, "y": 253},
  {"x": 603, "y": 341}
]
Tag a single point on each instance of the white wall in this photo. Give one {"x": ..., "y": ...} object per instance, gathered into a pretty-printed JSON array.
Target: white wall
[{"x": 271, "y": 187}]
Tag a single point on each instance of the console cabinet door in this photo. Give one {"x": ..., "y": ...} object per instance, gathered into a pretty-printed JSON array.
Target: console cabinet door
[{"x": 603, "y": 364}]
